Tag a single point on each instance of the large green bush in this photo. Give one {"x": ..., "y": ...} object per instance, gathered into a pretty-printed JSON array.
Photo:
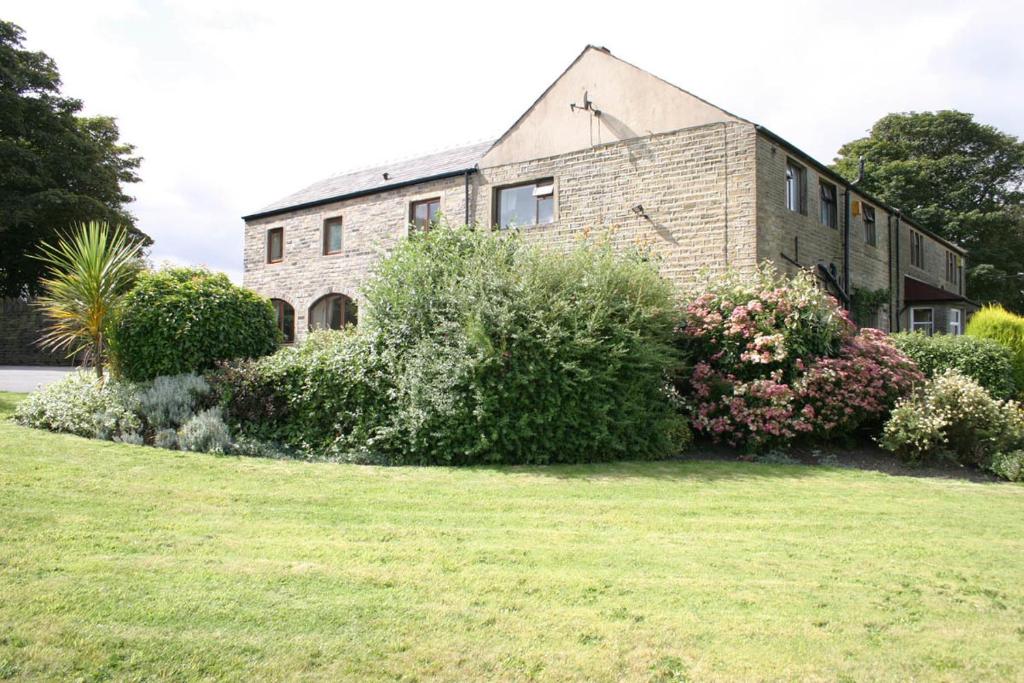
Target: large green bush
[
  {"x": 995, "y": 322},
  {"x": 180, "y": 320},
  {"x": 987, "y": 362},
  {"x": 477, "y": 348}
]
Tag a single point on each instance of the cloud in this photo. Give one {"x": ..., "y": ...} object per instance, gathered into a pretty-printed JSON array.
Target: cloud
[{"x": 235, "y": 104}]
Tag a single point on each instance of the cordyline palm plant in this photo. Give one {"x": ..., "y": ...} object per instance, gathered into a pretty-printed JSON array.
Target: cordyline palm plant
[{"x": 89, "y": 273}]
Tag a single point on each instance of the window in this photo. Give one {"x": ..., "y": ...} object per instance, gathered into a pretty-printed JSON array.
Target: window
[
  {"x": 955, "y": 325},
  {"x": 332, "y": 236},
  {"x": 424, "y": 213},
  {"x": 285, "y": 319},
  {"x": 952, "y": 268},
  {"x": 332, "y": 312},
  {"x": 275, "y": 245},
  {"x": 916, "y": 249},
  {"x": 922, "y": 320},
  {"x": 829, "y": 206},
  {"x": 796, "y": 187},
  {"x": 870, "y": 235},
  {"x": 526, "y": 204}
]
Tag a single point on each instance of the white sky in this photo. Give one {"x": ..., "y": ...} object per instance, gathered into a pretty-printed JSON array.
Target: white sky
[{"x": 235, "y": 104}]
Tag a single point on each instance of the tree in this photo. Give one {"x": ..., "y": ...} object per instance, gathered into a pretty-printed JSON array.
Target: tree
[
  {"x": 87, "y": 277},
  {"x": 960, "y": 179},
  {"x": 57, "y": 169}
]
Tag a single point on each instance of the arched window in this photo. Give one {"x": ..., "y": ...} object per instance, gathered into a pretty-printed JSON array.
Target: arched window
[
  {"x": 285, "y": 319},
  {"x": 332, "y": 312}
]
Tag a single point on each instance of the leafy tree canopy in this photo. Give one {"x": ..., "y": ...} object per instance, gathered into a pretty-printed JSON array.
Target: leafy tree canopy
[
  {"x": 57, "y": 168},
  {"x": 959, "y": 178}
]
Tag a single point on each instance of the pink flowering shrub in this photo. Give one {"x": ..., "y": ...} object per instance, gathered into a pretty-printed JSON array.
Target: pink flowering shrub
[
  {"x": 774, "y": 359},
  {"x": 858, "y": 387}
]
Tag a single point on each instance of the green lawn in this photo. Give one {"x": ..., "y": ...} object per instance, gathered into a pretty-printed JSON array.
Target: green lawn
[{"x": 135, "y": 563}]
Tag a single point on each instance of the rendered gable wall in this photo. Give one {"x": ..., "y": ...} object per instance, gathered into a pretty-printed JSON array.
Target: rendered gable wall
[{"x": 632, "y": 102}]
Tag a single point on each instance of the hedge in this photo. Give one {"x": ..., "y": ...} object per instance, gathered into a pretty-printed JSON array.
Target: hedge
[{"x": 986, "y": 361}]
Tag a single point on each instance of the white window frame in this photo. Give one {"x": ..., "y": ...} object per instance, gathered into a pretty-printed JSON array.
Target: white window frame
[
  {"x": 955, "y": 327},
  {"x": 543, "y": 188},
  {"x": 796, "y": 187},
  {"x": 926, "y": 327}
]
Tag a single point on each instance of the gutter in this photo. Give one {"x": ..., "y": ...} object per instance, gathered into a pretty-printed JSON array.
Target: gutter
[
  {"x": 846, "y": 228},
  {"x": 899, "y": 280},
  {"x": 358, "y": 193}
]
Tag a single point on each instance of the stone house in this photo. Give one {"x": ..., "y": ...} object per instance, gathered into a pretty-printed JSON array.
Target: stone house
[{"x": 610, "y": 147}]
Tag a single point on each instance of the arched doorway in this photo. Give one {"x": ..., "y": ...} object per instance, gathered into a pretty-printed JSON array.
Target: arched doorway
[{"x": 332, "y": 312}]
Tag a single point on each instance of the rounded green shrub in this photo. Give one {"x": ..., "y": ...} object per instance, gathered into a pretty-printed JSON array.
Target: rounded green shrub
[
  {"x": 180, "y": 320},
  {"x": 999, "y": 324},
  {"x": 986, "y": 361}
]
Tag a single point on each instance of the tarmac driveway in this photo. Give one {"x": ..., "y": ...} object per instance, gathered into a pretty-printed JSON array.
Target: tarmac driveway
[{"x": 24, "y": 378}]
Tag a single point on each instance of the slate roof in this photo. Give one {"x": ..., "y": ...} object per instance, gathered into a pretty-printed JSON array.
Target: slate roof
[{"x": 367, "y": 181}]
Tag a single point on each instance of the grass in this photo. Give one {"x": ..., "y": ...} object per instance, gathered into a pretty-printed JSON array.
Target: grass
[{"x": 136, "y": 563}]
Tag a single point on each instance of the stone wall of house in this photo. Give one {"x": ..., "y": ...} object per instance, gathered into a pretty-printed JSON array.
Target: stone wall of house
[
  {"x": 696, "y": 187},
  {"x": 713, "y": 197},
  {"x": 371, "y": 226},
  {"x": 21, "y": 325},
  {"x": 794, "y": 240}
]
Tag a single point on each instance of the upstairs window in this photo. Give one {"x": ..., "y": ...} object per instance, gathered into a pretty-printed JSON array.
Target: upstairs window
[
  {"x": 333, "y": 238},
  {"x": 952, "y": 268},
  {"x": 424, "y": 214},
  {"x": 916, "y": 249},
  {"x": 275, "y": 245},
  {"x": 870, "y": 235},
  {"x": 285, "y": 319},
  {"x": 526, "y": 204},
  {"x": 796, "y": 187},
  {"x": 829, "y": 206}
]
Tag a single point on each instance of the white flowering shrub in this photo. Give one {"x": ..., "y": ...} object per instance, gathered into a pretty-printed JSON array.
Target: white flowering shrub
[
  {"x": 80, "y": 404},
  {"x": 168, "y": 402},
  {"x": 205, "y": 432},
  {"x": 953, "y": 416}
]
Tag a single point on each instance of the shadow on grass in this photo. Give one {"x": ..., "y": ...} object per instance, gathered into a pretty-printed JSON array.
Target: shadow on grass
[
  {"x": 684, "y": 468},
  {"x": 715, "y": 464}
]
